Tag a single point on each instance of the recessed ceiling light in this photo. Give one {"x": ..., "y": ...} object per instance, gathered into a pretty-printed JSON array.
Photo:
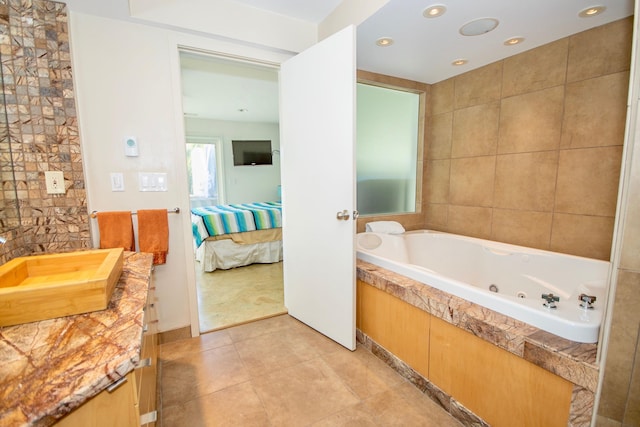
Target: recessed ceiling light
[
  {"x": 479, "y": 26},
  {"x": 384, "y": 41},
  {"x": 434, "y": 11},
  {"x": 513, "y": 41},
  {"x": 592, "y": 11},
  {"x": 458, "y": 62}
]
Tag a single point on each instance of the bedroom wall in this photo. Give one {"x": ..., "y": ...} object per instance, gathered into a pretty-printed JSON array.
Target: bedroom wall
[{"x": 243, "y": 184}]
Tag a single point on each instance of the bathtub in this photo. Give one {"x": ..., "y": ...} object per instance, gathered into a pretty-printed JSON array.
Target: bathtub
[{"x": 505, "y": 278}]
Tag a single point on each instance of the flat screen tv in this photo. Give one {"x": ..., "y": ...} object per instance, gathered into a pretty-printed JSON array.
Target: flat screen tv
[{"x": 251, "y": 153}]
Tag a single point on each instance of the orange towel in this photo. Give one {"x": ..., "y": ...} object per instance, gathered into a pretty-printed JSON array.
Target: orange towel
[
  {"x": 116, "y": 230},
  {"x": 153, "y": 233}
]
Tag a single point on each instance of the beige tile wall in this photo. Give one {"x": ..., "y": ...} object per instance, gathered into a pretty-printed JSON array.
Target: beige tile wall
[
  {"x": 620, "y": 395},
  {"x": 527, "y": 150}
]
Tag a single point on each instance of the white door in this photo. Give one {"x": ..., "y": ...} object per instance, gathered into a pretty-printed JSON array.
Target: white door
[{"x": 317, "y": 141}]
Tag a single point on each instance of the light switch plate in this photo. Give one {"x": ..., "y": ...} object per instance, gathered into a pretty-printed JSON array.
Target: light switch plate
[
  {"x": 54, "y": 182},
  {"x": 117, "y": 181},
  {"x": 152, "y": 181}
]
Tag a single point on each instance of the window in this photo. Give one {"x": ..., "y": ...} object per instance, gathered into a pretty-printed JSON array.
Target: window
[
  {"x": 203, "y": 172},
  {"x": 388, "y": 129}
]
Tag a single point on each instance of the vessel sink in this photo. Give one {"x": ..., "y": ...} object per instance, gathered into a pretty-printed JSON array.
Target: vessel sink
[{"x": 40, "y": 287}]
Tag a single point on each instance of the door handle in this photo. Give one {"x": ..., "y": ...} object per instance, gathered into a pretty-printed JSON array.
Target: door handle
[{"x": 344, "y": 215}]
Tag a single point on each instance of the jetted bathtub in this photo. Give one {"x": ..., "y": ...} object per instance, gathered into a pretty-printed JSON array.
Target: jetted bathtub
[{"x": 505, "y": 278}]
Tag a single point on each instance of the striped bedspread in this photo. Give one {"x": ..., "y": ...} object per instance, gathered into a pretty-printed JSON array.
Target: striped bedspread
[{"x": 225, "y": 219}]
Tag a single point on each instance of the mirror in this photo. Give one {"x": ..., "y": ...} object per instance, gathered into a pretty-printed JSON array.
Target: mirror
[{"x": 9, "y": 214}]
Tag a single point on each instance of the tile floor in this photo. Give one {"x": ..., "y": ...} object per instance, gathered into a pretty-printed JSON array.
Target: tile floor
[
  {"x": 236, "y": 296},
  {"x": 279, "y": 372}
]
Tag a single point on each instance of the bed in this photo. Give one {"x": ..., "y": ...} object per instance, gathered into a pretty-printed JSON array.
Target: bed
[{"x": 228, "y": 236}]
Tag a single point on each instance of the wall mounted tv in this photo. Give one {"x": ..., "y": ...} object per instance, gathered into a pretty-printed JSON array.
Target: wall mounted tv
[{"x": 251, "y": 153}]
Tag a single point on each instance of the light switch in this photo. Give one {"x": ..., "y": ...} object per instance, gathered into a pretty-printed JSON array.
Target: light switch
[
  {"x": 117, "y": 181},
  {"x": 152, "y": 181},
  {"x": 55, "y": 182}
]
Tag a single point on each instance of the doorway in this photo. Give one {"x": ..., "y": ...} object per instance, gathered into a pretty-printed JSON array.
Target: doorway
[{"x": 238, "y": 271}]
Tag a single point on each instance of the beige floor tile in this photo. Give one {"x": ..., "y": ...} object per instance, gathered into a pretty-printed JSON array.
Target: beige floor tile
[
  {"x": 236, "y": 296},
  {"x": 362, "y": 372},
  {"x": 354, "y": 416},
  {"x": 177, "y": 349},
  {"x": 201, "y": 373},
  {"x": 234, "y": 406},
  {"x": 279, "y": 372},
  {"x": 275, "y": 351},
  {"x": 266, "y": 326},
  {"x": 302, "y": 394},
  {"x": 391, "y": 409}
]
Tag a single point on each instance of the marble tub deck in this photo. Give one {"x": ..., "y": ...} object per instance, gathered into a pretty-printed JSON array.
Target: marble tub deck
[
  {"x": 575, "y": 362},
  {"x": 49, "y": 368}
]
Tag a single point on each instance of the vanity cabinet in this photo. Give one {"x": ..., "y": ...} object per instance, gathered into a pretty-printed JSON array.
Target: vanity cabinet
[{"x": 130, "y": 402}]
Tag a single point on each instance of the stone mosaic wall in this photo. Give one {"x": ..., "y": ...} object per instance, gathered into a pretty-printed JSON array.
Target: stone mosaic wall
[{"x": 42, "y": 130}]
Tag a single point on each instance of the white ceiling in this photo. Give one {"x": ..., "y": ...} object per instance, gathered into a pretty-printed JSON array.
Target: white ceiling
[{"x": 423, "y": 49}]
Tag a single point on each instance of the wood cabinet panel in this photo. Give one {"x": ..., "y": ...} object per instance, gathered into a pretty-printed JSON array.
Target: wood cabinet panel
[
  {"x": 399, "y": 327},
  {"x": 118, "y": 408},
  {"x": 498, "y": 386},
  {"x": 134, "y": 399}
]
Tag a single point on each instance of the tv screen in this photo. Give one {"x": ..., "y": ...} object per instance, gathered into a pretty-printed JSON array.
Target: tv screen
[{"x": 251, "y": 153}]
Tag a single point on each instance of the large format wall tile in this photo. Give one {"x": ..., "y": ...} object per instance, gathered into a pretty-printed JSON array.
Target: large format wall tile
[
  {"x": 440, "y": 130},
  {"x": 479, "y": 86},
  {"x": 583, "y": 235},
  {"x": 532, "y": 121},
  {"x": 472, "y": 181},
  {"x": 442, "y": 97},
  {"x": 475, "y": 130},
  {"x": 526, "y": 181},
  {"x": 536, "y": 69},
  {"x": 525, "y": 228},
  {"x": 595, "y": 111},
  {"x": 588, "y": 181},
  {"x": 602, "y": 50}
]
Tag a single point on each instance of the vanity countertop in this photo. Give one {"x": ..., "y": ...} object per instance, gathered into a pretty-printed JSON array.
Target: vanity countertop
[{"x": 51, "y": 367}]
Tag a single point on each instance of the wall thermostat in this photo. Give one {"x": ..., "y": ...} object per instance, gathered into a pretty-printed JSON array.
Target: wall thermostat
[{"x": 131, "y": 146}]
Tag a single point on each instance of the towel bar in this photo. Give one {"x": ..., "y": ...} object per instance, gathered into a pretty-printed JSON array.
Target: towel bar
[{"x": 94, "y": 214}]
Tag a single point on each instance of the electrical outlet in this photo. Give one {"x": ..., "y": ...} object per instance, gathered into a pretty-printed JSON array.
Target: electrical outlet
[{"x": 55, "y": 182}]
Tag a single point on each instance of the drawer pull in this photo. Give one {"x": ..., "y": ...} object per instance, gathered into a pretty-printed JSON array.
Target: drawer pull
[
  {"x": 144, "y": 363},
  {"x": 145, "y": 328},
  {"x": 149, "y": 417},
  {"x": 116, "y": 384}
]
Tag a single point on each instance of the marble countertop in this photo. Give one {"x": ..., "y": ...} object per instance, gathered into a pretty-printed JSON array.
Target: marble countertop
[
  {"x": 51, "y": 367},
  {"x": 576, "y": 362}
]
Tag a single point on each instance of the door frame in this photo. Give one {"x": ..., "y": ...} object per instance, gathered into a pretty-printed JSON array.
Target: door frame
[{"x": 255, "y": 56}]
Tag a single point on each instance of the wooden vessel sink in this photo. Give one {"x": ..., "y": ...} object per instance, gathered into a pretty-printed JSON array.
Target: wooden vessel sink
[{"x": 40, "y": 287}]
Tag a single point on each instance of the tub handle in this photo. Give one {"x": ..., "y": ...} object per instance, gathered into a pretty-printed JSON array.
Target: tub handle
[{"x": 551, "y": 300}]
